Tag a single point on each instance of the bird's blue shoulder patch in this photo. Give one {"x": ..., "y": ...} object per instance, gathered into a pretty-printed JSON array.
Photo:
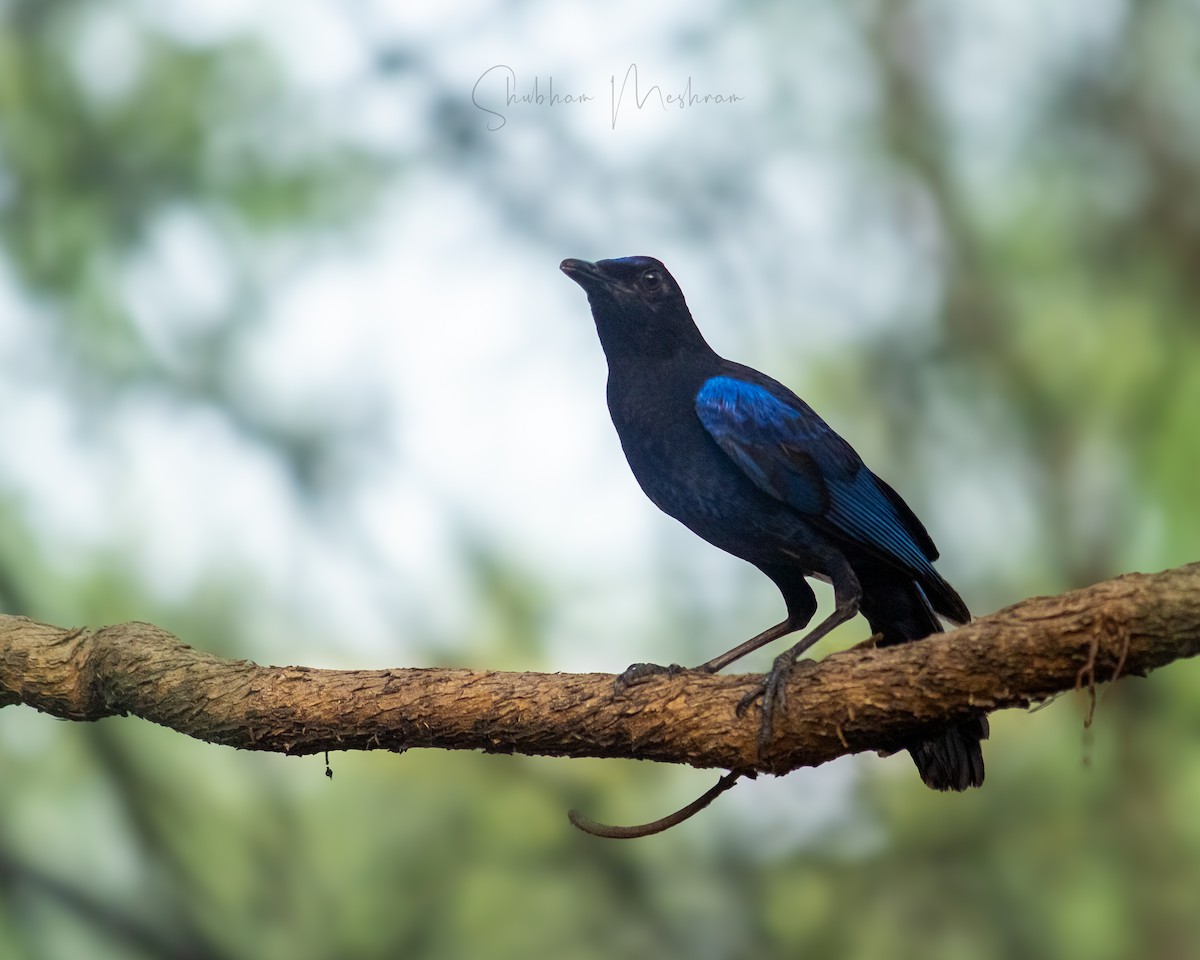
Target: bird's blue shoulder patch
[
  {"x": 745, "y": 404},
  {"x": 728, "y": 403},
  {"x": 766, "y": 437}
]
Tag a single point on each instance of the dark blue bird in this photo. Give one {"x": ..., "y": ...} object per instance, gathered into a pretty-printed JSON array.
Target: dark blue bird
[{"x": 744, "y": 463}]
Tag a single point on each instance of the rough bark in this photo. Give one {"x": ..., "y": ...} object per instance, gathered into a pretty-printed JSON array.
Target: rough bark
[{"x": 859, "y": 699}]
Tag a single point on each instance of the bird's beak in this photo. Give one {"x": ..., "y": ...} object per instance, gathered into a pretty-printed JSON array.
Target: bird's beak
[{"x": 586, "y": 274}]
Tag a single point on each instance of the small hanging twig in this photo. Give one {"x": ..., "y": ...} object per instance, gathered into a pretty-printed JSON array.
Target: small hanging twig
[{"x": 655, "y": 826}]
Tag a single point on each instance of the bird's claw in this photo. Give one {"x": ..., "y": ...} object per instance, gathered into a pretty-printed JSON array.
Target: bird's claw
[
  {"x": 773, "y": 691},
  {"x": 744, "y": 704},
  {"x": 774, "y": 698},
  {"x": 637, "y": 673}
]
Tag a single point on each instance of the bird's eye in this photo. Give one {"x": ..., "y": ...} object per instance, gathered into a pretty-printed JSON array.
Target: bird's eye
[{"x": 651, "y": 279}]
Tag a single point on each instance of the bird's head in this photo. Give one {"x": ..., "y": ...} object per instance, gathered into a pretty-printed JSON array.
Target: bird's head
[{"x": 637, "y": 305}]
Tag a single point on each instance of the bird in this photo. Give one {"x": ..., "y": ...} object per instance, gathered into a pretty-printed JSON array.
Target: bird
[{"x": 744, "y": 463}]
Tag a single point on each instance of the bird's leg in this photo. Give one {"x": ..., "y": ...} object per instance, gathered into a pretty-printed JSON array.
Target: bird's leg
[
  {"x": 847, "y": 594},
  {"x": 769, "y": 635},
  {"x": 639, "y": 672},
  {"x": 801, "y": 605}
]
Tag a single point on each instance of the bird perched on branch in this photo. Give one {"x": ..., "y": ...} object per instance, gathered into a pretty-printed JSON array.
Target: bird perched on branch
[{"x": 746, "y": 464}]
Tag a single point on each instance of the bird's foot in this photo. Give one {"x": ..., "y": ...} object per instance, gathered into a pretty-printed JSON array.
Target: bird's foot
[
  {"x": 641, "y": 672},
  {"x": 773, "y": 691}
]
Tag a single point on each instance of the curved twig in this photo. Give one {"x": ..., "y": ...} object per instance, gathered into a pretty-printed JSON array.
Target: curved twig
[{"x": 609, "y": 832}]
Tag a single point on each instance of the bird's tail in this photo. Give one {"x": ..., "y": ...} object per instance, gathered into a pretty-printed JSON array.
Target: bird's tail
[
  {"x": 897, "y": 609},
  {"x": 952, "y": 759}
]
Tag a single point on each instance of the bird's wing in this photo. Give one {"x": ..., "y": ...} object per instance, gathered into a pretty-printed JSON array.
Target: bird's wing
[{"x": 792, "y": 454}]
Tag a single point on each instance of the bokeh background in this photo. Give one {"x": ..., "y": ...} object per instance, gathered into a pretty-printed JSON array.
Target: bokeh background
[{"x": 287, "y": 367}]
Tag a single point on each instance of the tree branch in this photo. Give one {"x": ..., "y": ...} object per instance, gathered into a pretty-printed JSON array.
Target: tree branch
[{"x": 859, "y": 699}]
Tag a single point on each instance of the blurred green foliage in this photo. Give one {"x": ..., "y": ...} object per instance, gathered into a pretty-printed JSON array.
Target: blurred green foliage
[{"x": 1059, "y": 365}]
